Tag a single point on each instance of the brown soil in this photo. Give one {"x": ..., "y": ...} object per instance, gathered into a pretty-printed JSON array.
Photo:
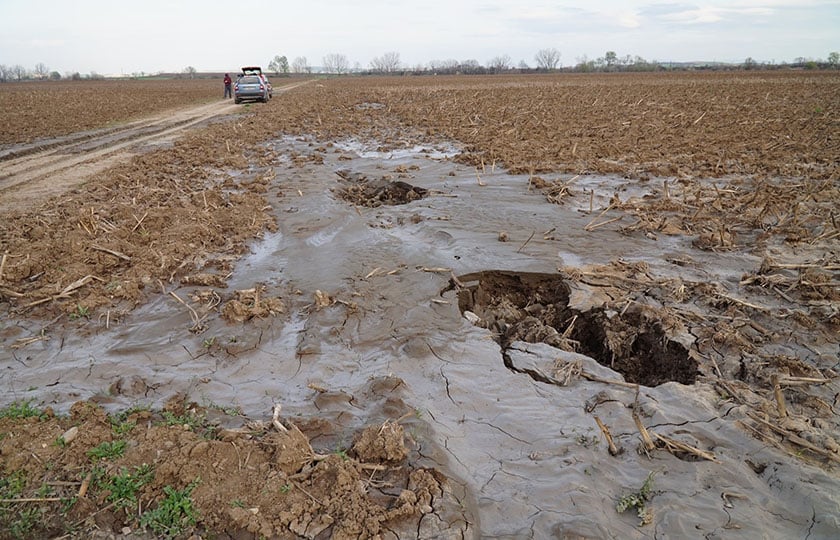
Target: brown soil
[
  {"x": 747, "y": 163},
  {"x": 44, "y": 110},
  {"x": 263, "y": 479}
]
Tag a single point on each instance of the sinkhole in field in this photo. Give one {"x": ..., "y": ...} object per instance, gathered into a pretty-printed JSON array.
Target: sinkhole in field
[{"x": 534, "y": 308}]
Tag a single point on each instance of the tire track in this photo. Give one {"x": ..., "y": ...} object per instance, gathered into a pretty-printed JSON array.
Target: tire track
[{"x": 35, "y": 172}]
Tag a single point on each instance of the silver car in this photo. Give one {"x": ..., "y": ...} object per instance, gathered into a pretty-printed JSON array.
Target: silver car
[{"x": 251, "y": 88}]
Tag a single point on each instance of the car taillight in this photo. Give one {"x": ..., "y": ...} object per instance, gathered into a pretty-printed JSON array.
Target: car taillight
[
  {"x": 262, "y": 87},
  {"x": 236, "y": 87}
]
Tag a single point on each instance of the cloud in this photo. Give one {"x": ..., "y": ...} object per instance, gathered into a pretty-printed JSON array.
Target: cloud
[
  {"x": 708, "y": 13},
  {"x": 40, "y": 43},
  {"x": 628, "y": 19}
]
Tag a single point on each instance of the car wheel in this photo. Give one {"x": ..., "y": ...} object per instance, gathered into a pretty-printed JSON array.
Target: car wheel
[{"x": 237, "y": 101}]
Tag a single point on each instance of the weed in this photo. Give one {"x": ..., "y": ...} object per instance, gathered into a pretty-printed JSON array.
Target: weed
[
  {"x": 638, "y": 500},
  {"x": 192, "y": 421},
  {"x": 80, "y": 312},
  {"x": 19, "y": 522},
  {"x": 229, "y": 410},
  {"x": 121, "y": 426},
  {"x": 209, "y": 342},
  {"x": 123, "y": 416},
  {"x": 285, "y": 488},
  {"x": 12, "y": 486},
  {"x": 342, "y": 453},
  {"x": 21, "y": 409},
  {"x": 25, "y": 522},
  {"x": 237, "y": 503},
  {"x": 107, "y": 450},
  {"x": 126, "y": 484},
  {"x": 67, "y": 504},
  {"x": 44, "y": 491},
  {"x": 174, "y": 514}
]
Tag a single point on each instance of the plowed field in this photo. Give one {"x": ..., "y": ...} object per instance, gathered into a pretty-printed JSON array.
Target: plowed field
[{"x": 744, "y": 165}]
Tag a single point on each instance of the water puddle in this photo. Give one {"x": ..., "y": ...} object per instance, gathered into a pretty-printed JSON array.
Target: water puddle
[{"x": 374, "y": 325}]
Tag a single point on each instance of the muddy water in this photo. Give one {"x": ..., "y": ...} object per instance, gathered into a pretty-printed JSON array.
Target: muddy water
[{"x": 525, "y": 457}]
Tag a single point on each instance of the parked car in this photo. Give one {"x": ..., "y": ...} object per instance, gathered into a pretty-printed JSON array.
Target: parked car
[
  {"x": 250, "y": 88},
  {"x": 256, "y": 70}
]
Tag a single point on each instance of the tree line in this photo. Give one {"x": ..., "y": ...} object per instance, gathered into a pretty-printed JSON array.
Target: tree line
[{"x": 545, "y": 60}]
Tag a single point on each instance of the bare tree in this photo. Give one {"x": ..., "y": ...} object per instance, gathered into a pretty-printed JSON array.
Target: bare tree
[
  {"x": 19, "y": 72},
  {"x": 336, "y": 63},
  {"x": 499, "y": 63},
  {"x": 444, "y": 66},
  {"x": 584, "y": 64},
  {"x": 300, "y": 65},
  {"x": 190, "y": 72},
  {"x": 5, "y": 73},
  {"x": 610, "y": 58},
  {"x": 387, "y": 63},
  {"x": 834, "y": 59},
  {"x": 470, "y": 66},
  {"x": 547, "y": 59},
  {"x": 41, "y": 70}
]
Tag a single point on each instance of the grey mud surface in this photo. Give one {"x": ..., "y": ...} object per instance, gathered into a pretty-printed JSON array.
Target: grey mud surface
[{"x": 525, "y": 458}]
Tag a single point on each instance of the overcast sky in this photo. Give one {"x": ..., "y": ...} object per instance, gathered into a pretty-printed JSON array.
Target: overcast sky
[{"x": 115, "y": 36}]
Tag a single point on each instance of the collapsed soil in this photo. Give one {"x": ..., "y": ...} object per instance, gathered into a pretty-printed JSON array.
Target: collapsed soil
[{"x": 741, "y": 163}]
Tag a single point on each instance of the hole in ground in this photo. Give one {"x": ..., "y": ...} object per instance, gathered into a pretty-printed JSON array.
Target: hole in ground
[
  {"x": 362, "y": 191},
  {"x": 534, "y": 307}
]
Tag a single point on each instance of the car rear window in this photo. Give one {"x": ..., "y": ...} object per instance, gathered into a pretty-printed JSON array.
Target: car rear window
[{"x": 250, "y": 79}]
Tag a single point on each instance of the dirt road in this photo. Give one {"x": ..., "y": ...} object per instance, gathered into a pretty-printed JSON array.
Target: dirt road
[
  {"x": 33, "y": 172},
  {"x": 38, "y": 170}
]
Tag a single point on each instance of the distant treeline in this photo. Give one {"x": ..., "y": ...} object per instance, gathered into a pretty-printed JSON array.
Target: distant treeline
[{"x": 338, "y": 65}]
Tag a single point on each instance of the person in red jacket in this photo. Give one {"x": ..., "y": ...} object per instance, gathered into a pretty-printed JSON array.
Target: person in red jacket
[{"x": 227, "y": 86}]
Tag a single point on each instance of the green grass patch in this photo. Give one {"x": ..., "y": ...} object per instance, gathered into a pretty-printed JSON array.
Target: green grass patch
[
  {"x": 125, "y": 486},
  {"x": 107, "y": 450},
  {"x": 19, "y": 520},
  {"x": 174, "y": 515},
  {"x": 192, "y": 421},
  {"x": 21, "y": 409},
  {"x": 121, "y": 427}
]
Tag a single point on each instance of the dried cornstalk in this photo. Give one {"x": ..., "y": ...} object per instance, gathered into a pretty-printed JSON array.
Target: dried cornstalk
[
  {"x": 673, "y": 445},
  {"x": 526, "y": 242},
  {"x": 436, "y": 269},
  {"x": 648, "y": 442},
  {"x": 780, "y": 397},
  {"x": 275, "y": 418},
  {"x": 591, "y": 227},
  {"x": 796, "y": 439},
  {"x": 116, "y": 254},
  {"x": 67, "y": 291},
  {"x": 614, "y": 450},
  {"x": 193, "y": 315}
]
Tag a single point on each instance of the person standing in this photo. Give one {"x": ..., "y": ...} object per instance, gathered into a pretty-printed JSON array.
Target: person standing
[{"x": 227, "y": 86}]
